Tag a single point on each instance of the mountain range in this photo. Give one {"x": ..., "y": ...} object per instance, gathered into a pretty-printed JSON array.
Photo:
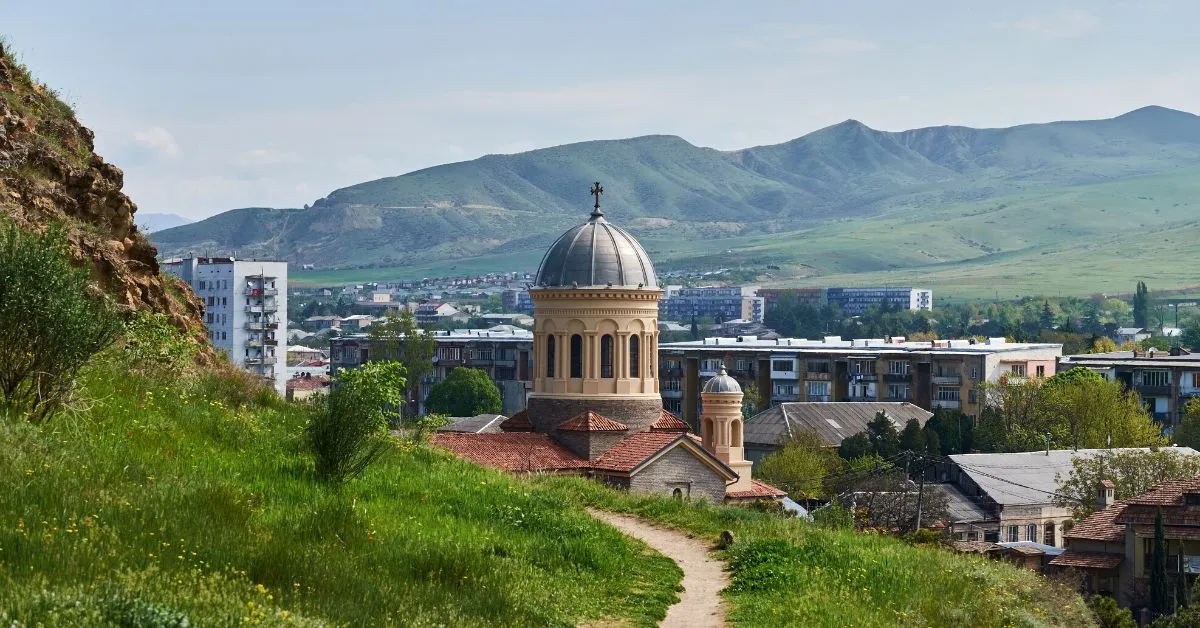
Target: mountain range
[
  {"x": 150, "y": 223},
  {"x": 689, "y": 202}
]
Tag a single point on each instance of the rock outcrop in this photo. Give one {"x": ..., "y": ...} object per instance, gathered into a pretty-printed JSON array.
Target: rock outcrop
[{"x": 50, "y": 176}]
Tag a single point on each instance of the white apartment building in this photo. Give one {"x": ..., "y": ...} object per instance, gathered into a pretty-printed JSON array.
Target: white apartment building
[{"x": 245, "y": 309}]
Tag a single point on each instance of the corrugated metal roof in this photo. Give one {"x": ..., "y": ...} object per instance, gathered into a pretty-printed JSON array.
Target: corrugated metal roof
[
  {"x": 478, "y": 424},
  {"x": 833, "y": 421}
]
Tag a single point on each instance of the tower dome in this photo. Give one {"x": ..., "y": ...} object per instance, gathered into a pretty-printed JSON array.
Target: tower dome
[
  {"x": 596, "y": 254},
  {"x": 722, "y": 383}
]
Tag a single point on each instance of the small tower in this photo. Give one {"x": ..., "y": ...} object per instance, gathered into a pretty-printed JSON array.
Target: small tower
[{"x": 721, "y": 426}]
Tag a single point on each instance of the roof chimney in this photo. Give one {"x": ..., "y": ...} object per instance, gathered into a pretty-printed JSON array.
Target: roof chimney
[{"x": 1104, "y": 495}]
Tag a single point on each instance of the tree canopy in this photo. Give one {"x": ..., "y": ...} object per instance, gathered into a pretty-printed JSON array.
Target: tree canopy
[
  {"x": 801, "y": 465},
  {"x": 465, "y": 392},
  {"x": 1132, "y": 473}
]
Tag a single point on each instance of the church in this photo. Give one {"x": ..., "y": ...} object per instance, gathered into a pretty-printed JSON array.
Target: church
[{"x": 595, "y": 409}]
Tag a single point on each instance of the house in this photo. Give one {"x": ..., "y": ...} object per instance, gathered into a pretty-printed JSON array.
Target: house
[
  {"x": 1131, "y": 334},
  {"x": 434, "y": 312},
  {"x": 297, "y": 354},
  {"x": 523, "y": 320},
  {"x": 305, "y": 385},
  {"x": 1112, "y": 546},
  {"x": 595, "y": 409},
  {"x": 1165, "y": 380},
  {"x": 355, "y": 322},
  {"x": 1015, "y": 493},
  {"x": 832, "y": 421},
  {"x": 318, "y": 323}
]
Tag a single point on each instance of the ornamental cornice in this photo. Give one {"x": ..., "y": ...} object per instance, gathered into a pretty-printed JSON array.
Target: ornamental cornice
[
  {"x": 546, "y": 294},
  {"x": 598, "y": 312}
]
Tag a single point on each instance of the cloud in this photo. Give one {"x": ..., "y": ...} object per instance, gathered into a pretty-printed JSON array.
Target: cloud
[
  {"x": 158, "y": 140},
  {"x": 1063, "y": 24},
  {"x": 840, "y": 46}
]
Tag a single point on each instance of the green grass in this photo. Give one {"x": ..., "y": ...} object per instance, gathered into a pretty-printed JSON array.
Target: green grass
[
  {"x": 171, "y": 497},
  {"x": 196, "y": 498}
]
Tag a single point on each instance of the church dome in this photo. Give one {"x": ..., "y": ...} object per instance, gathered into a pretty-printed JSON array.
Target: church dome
[
  {"x": 722, "y": 383},
  {"x": 596, "y": 254}
]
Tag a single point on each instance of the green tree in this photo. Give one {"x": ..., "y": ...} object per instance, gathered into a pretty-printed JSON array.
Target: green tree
[
  {"x": 1159, "y": 604},
  {"x": 1109, "y": 615},
  {"x": 881, "y": 433},
  {"x": 1187, "y": 433},
  {"x": 854, "y": 447},
  {"x": 801, "y": 464},
  {"x": 1190, "y": 337},
  {"x": 465, "y": 392},
  {"x": 348, "y": 429},
  {"x": 52, "y": 322},
  {"x": 911, "y": 438},
  {"x": 933, "y": 445},
  {"x": 1084, "y": 410},
  {"x": 1103, "y": 344},
  {"x": 398, "y": 338},
  {"x": 1132, "y": 472},
  {"x": 1141, "y": 305},
  {"x": 749, "y": 400}
]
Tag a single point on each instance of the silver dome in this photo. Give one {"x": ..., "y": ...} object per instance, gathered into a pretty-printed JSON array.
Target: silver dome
[
  {"x": 596, "y": 254},
  {"x": 722, "y": 383}
]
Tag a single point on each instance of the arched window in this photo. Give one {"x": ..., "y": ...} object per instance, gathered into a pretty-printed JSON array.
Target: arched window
[
  {"x": 706, "y": 433},
  {"x": 634, "y": 356},
  {"x": 606, "y": 356},
  {"x": 1031, "y": 532},
  {"x": 677, "y": 493},
  {"x": 576, "y": 356},
  {"x": 550, "y": 356},
  {"x": 735, "y": 435}
]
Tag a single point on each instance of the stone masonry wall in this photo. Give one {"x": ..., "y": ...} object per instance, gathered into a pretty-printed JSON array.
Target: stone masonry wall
[{"x": 679, "y": 468}]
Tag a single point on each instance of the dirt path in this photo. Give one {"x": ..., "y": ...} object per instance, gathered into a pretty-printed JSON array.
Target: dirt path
[{"x": 700, "y": 603}]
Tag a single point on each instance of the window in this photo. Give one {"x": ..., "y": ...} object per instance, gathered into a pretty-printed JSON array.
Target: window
[
  {"x": 785, "y": 389},
  {"x": 550, "y": 356},
  {"x": 1013, "y": 531},
  {"x": 576, "y": 356},
  {"x": 635, "y": 356},
  {"x": 211, "y": 301},
  {"x": 670, "y": 384},
  {"x": 741, "y": 365},
  {"x": 1156, "y": 378},
  {"x": 972, "y": 396},
  {"x": 1192, "y": 499},
  {"x": 947, "y": 393},
  {"x": 606, "y": 355},
  {"x": 1031, "y": 532},
  {"x": 898, "y": 367},
  {"x": 482, "y": 353},
  {"x": 677, "y": 493},
  {"x": 1049, "y": 536},
  {"x": 362, "y": 355},
  {"x": 818, "y": 366},
  {"x": 224, "y": 301},
  {"x": 202, "y": 284},
  {"x": 862, "y": 367},
  {"x": 1041, "y": 370},
  {"x": 711, "y": 365},
  {"x": 223, "y": 336},
  {"x": 782, "y": 365},
  {"x": 209, "y": 318},
  {"x": 1017, "y": 370},
  {"x": 818, "y": 389},
  {"x": 735, "y": 432},
  {"x": 974, "y": 373},
  {"x": 900, "y": 392}
]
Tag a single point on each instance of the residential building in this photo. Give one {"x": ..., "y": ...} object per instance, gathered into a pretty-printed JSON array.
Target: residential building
[
  {"x": 1165, "y": 380},
  {"x": 318, "y": 323},
  {"x": 1112, "y": 546},
  {"x": 516, "y": 300},
  {"x": 245, "y": 310},
  {"x": 434, "y": 312},
  {"x": 595, "y": 409},
  {"x": 833, "y": 422},
  {"x": 1131, "y": 334},
  {"x": 855, "y": 301},
  {"x": 941, "y": 373},
  {"x": 508, "y": 319},
  {"x": 1014, "y": 493},
  {"x": 718, "y": 304},
  {"x": 505, "y": 354},
  {"x": 808, "y": 296},
  {"x": 355, "y": 322}
]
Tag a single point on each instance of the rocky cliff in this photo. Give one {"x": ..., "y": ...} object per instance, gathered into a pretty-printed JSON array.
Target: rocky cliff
[{"x": 50, "y": 175}]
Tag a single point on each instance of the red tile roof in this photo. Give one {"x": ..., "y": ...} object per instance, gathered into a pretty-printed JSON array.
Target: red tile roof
[
  {"x": 518, "y": 422},
  {"x": 1087, "y": 560},
  {"x": 316, "y": 382},
  {"x": 757, "y": 489},
  {"x": 668, "y": 422},
  {"x": 1101, "y": 525},
  {"x": 589, "y": 421},
  {"x": 1168, "y": 493},
  {"x": 513, "y": 451},
  {"x": 633, "y": 451}
]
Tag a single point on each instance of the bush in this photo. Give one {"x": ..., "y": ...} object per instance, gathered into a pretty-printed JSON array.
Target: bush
[
  {"x": 1108, "y": 614},
  {"x": 348, "y": 430},
  {"x": 52, "y": 323},
  {"x": 465, "y": 392},
  {"x": 153, "y": 344}
]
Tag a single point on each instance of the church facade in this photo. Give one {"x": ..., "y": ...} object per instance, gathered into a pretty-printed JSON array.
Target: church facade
[{"x": 595, "y": 409}]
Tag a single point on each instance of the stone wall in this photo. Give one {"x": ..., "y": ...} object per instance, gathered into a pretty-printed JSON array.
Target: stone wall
[
  {"x": 589, "y": 444},
  {"x": 638, "y": 413},
  {"x": 678, "y": 468}
]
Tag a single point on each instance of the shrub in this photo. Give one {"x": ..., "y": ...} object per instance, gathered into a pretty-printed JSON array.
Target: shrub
[
  {"x": 349, "y": 427},
  {"x": 52, "y": 322},
  {"x": 1108, "y": 614},
  {"x": 153, "y": 344},
  {"x": 465, "y": 392}
]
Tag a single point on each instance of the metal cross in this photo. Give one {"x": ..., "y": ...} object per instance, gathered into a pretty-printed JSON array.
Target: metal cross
[{"x": 597, "y": 191}]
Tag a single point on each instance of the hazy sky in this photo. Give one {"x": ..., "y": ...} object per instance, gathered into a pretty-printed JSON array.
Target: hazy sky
[{"x": 214, "y": 105}]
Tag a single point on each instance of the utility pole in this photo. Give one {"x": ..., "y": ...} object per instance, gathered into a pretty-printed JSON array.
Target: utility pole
[{"x": 920, "y": 494}]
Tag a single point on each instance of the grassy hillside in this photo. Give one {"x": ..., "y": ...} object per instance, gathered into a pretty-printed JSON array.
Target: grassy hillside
[
  {"x": 160, "y": 498},
  {"x": 832, "y": 190}
]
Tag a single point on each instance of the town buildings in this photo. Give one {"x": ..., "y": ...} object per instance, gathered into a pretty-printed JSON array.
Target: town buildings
[
  {"x": 1112, "y": 546},
  {"x": 245, "y": 310},
  {"x": 505, "y": 354},
  {"x": 941, "y": 373},
  {"x": 854, "y": 301},
  {"x": 833, "y": 422},
  {"x": 1165, "y": 380},
  {"x": 595, "y": 407},
  {"x": 716, "y": 303}
]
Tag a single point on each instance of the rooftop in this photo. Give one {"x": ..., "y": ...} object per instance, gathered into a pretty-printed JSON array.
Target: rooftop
[
  {"x": 478, "y": 424},
  {"x": 833, "y": 421},
  {"x": 1157, "y": 359},
  {"x": 835, "y": 344}
]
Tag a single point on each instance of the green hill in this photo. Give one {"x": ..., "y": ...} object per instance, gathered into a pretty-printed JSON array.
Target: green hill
[{"x": 841, "y": 179}]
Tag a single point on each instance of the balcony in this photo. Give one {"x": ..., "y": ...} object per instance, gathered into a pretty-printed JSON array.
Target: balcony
[
  {"x": 262, "y": 342},
  {"x": 896, "y": 378},
  {"x": 261, "y": 359},
  {"x": 947, "y": 380},
  {"x": 815, "y": 376},
  {"x": 864, "y": 377},
  {"x": 825, "y": 398},
  {"x": 897, "y": 399},
  {"x": 671, "y": 394},
  {"x": 665, "y": 373},
  {"x": 267, "y": 308},
  {"x": 785, "y": 397},
  {"x": 261, "y": 292},
  {"x": 1153, "y": 391},
  {"x": 260, "y": 325},
  {"x": 946, "y": 403}
]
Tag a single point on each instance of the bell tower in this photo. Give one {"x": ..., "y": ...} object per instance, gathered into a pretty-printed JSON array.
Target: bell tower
[{"x": 721, "y": 426}]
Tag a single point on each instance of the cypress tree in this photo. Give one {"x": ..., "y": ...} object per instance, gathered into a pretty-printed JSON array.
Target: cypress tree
[{"x": 1158, "y": 570}]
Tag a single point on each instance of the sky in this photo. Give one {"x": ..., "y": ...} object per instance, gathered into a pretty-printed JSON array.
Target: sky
[{"x": 218, "y": 105}]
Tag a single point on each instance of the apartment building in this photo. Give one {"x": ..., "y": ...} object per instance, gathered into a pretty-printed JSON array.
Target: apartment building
[
  {"x": 1166, "y": 380},
  {"x": 942, "y": 373},
  {"x": 505, "y": 354},
  {"x": 719, "y": 304},
  {"x": 245, "y": 310},
  {"x": 854, "y": 301}
]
